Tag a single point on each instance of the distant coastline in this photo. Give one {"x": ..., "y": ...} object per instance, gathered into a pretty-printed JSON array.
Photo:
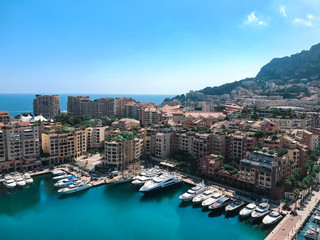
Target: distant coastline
[{"x": 16, "y": 104}]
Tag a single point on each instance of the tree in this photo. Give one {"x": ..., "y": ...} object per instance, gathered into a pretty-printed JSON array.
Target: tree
[{"x": 287, "y": 184}]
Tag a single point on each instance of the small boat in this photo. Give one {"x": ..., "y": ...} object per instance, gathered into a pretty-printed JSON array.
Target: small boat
[
  {"x": 76, "y": 187},
  {"x": 57, "y": 172},
  {"x": 203, "y": 196},
  {"x": 261, "y": 211},
  {"x": 9, "y": 182},
  {"x": 246, "y": 212},
  {"x": 313, "y": 233},
  {"x": 60, "y": 177},
  {"x": 19, "y": 180},
  {"x": 215, "y": 196},
  {"x": 220, "y": 203},
  {"x": 271, "y": 218},
  {"x": 235, "y": 205},
  {"x": 27, "y": 178},
  {"x": 193, "y": 192}
]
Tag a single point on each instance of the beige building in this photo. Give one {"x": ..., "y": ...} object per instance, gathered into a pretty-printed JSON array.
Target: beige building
[
  {"x": 4, "y": 117},
  {"x": 46, "y": 105},
  {"x": 98, "y": 108},
  {"x": 120, "y": 152},
  {"x": 63, "y": 147},
  {"x": 120, "y": 105},
  {"x": 95, "y": 137},
  {"x": 126, "y": 123},
  {"x": 163, "y": 144}
]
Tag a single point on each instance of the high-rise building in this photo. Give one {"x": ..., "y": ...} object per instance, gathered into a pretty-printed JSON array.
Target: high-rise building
[
  {"x": 120, "y": 106},
  {"x": 47, "y": 105},
  {"x": 98, "y": 108},
  {"x": 4, "y": 117}
]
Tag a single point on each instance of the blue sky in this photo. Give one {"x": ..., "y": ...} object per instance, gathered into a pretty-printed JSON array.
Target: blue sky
[{"x": 146, "y": 46}]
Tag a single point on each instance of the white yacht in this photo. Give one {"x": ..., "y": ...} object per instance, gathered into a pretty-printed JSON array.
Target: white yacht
[
  {"x": 27, "y": 178},
  {"x": 59, "y": 177},
  {"x": 141, "y": 180},
  {"x": 66, "y": 182},
  {"x": 261, "y": 211},
  {"x": 312, "y": 233},
  {"x": 234, "y": 205},
  {"x": 9, "y": 182},
  {"x": 57, "y": 172},
  {"x": 159, "y": 183},
  {"x": 271, "y": 218},
  {"x": 215, "y": 196},
  {"x": 19, "y": 180},
  {"x": 193, "y": 192},
  {"x": 75, "y": 187},
  {"x": 248, "y": 210},
  {"x": 203, "y": 196}
]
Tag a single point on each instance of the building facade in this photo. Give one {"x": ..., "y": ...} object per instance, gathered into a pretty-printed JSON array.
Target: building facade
[{"x": 46, "y": 105}]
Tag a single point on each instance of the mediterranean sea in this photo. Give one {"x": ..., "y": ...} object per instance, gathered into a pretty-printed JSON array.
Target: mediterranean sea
[
  {"x": 16, "y": 104},
  {"x": 118, "y": 212}
]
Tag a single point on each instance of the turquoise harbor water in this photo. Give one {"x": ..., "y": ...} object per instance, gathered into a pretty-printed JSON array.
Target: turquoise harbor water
[
  {"x": 18, "y": 103},
  {"x": 112, "y": 212}
]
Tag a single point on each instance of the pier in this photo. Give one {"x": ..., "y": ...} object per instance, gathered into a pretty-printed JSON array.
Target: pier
[{"x": 290, "y": 226}]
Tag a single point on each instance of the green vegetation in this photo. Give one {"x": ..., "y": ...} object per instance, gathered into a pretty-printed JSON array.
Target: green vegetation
[
  {"x": 122, "y": 136},
  {"x": 281, "y": 151},
  {"x": 190, "y": 164},
  {"x": 80, "y": 122}
]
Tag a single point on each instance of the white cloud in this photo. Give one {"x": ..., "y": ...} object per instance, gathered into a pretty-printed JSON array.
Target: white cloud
[
  {"x": 253, "y": 19},
  {"x": 283, "y": 11},
  {"x": 310, "y": 16},
  {"x": 302, "y": 21}
]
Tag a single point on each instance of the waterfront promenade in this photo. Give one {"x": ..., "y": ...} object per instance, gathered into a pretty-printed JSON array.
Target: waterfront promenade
[{"x": 290, "y": 225}]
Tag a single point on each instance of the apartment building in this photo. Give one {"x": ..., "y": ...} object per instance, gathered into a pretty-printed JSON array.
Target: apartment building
[
  {"x": 306, "y": 137},
  {"x": 122, "y": 152},
  {"x": 238, "y": 145},
  {"x": 95, "y": 137},
  {"x": 202, "y": 145},
  {"x": 150, "y": 115},
  {"x": 163, "y": 144},
  {"x": 98, "y": 108},
  {"x": 120, "y": 105},
  {"x": 261, "y": 171},
  {"x": 4, "y": 117},
  {"x": 184, "y": 141},
  {"x": 63, "y": 147},
  {"x": 126, "y": 123},
  {"x": 209, "y": 164},
  {"x": 19, "y": 149},
  {"x": 150, "y": 141},
  {"x": 46, "y": 105}
]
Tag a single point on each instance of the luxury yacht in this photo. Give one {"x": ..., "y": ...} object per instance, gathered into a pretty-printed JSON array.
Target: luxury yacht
[
  {"x": 271, "y": 218},
  {"x": 141, "y": 180},
  {"x": 212, "y": 199},
  {"x": 19, "y": 180},
  {"x": 9, "y": 182},
  {"x": 57, "y": 172},
  {"x": 66, "y": 182},
  {"x": 27, "y": 178},
  {"x": 159, "y": 183},
  {"x": 75, "y": 187},
  {"x": 248, "y": 210},
  {"x": 193, "y": 192},
  {"x": 203, "y": 196},
  {"x": 235, "y": 205},
  {"x": 60, "y": 177},
  {"x": 261, "y": 211},
  {"x": 220, "y": 203},
  {"x": 312, "y": 233}
]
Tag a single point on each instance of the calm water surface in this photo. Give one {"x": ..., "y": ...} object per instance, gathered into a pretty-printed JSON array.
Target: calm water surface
[{"x": 112, "y": 212}]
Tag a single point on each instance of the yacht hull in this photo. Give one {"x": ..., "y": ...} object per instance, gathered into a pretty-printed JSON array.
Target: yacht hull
[{"x": 162, "y": 188}]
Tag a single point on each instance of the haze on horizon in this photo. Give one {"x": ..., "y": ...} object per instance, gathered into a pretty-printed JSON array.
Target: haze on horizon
[{"x": 146, "y": 47}]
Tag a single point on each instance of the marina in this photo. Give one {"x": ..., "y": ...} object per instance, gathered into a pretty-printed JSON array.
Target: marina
[{"x": 115, "y": 207}]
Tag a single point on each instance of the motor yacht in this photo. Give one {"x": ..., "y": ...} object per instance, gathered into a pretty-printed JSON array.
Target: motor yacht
[
  {"x": 261, "y": 211},
  {"x": 220, "y": 203},
  {"x": 59, "y": 177},
  {"x": 160, "y": 183},
  {"x": 57, "y": 172},
  {"x": 193, "y": 192},
  {"x": 19, "y": 180},
  {"x": 271, "y": 218},
  {"x": 203, "y": 196},
  {"x": 313, "y": 233},
  {"x": 235, "y": 205},
  {"x": 212, "y": 199},
  {"x": 9, "y": 182},
  {"x": 246, "y": 212},
  {"x": 140, "y": 181},
  {"x": 66, "y": 182},
  {"x": 27, "y": 178},
  {"x": 75, "y": 187}
]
